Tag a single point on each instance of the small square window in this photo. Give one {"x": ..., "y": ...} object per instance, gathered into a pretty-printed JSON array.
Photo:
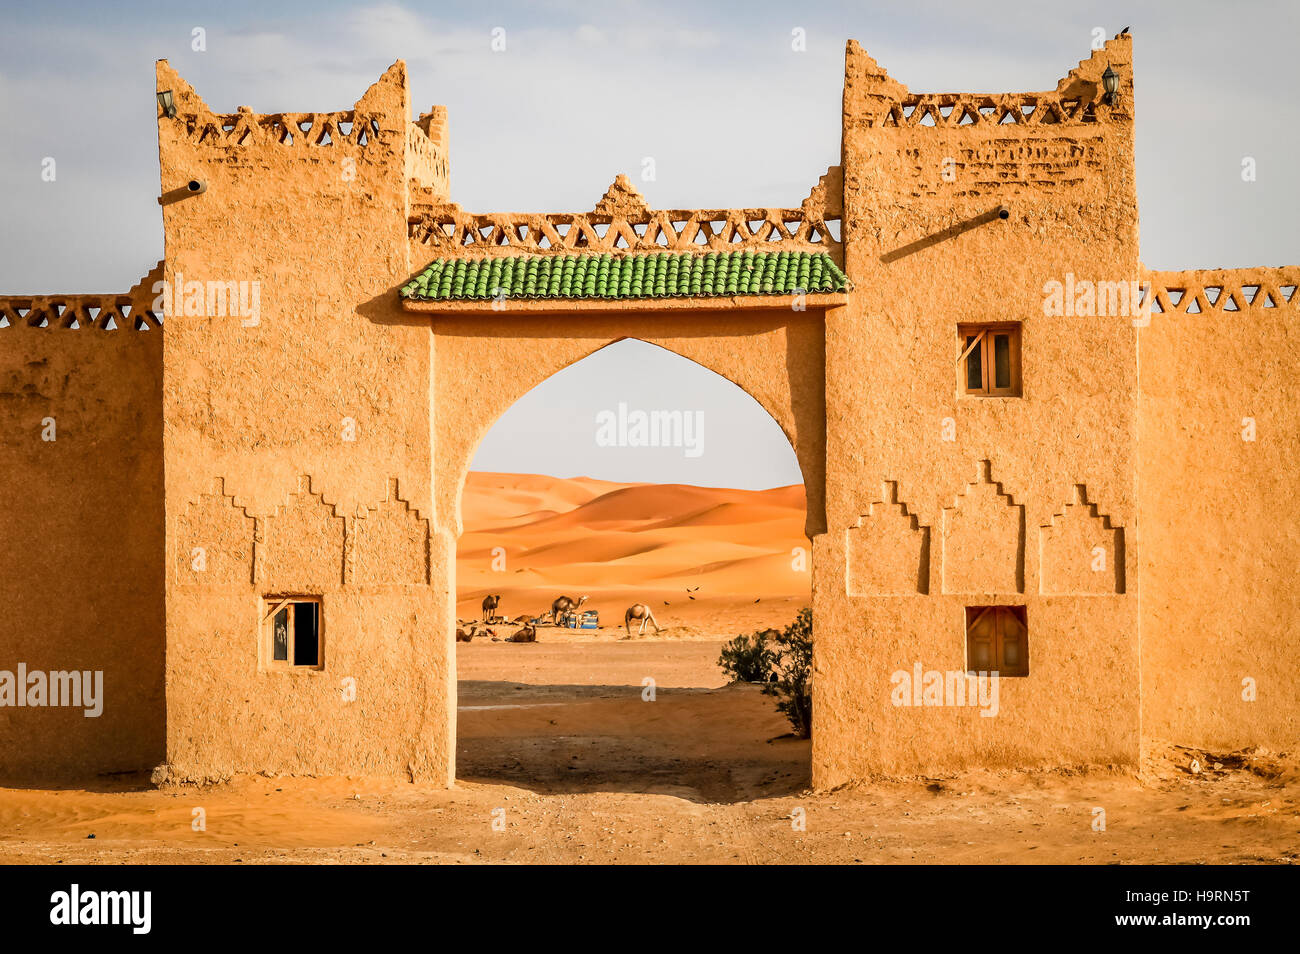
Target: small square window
[
  {"x": 997, "y": 640},
  {"x": 292, "y": 633},
  {"x": 989, "y": 362}
]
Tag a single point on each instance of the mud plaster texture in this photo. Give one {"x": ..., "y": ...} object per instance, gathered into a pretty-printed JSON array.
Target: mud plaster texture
[{"x": 321, "y": 450}]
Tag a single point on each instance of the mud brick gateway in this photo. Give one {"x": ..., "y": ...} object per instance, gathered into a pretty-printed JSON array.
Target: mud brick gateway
[{"x": 1124, "y": 487}]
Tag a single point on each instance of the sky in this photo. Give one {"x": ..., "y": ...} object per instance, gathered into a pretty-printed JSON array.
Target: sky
[{"x": 714, "y": 93}]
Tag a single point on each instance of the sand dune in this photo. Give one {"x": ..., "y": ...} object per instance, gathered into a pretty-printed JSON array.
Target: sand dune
[
  {"x": 710, "y": 561},
  {"x": 509, "y": 497}
]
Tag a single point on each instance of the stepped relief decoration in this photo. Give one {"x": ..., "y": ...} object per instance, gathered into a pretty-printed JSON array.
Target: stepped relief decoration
[
  {"x": 305, "y": 542},
  {"x": 888, "y": 550},
  {"x": 984, "y": 539},
  {"x": 1080, "y": 551},
  {"x": 390, "y": 543},
  {"x": 214, "y": 540}
]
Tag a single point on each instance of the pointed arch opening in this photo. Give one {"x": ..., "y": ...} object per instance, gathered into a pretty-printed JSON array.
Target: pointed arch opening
[{"x": 631, "y": 475}]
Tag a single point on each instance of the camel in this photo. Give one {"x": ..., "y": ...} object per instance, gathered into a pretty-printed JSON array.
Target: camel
[
  {"x": 563, "y": 607},
  {"x": 525, "y": 634},
  {"x": 642, "y": 612},
  {"x": 490, "y": 604},
  {"x": 474, "y": 629}
]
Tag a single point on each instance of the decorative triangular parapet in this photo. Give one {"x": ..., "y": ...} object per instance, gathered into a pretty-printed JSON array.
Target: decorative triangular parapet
[
  {"x": 873, "y": 99},
  {"x": 1207, "y": 291},
  {"x": 131, "y": 310},
  {"x": 381, "y": 113},
  {"x": 1084, "y": 81},
  {"x": 869, "y": 91},
  {"x": 622, "y": 200}
]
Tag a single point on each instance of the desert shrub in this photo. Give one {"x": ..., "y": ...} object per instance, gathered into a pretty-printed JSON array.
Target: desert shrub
[
  {"x": 782, "y": 663},
  {"x": 792, "y": 668},
  {"x": 747, "y": 658}
]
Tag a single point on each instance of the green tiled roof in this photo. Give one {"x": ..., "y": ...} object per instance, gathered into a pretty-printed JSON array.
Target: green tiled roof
[{"x": 648, "y": 275}]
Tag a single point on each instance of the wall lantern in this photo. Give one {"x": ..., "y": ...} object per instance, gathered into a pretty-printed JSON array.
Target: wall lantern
[
  {"x": 1110, "y": 82},
  {"x": 165, "y": 101}
]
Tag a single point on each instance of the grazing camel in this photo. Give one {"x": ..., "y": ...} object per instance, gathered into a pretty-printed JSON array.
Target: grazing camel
[
  {"x": 490, "y": 604},
  {"x": 563, "y": 607},
  {"x": 642, "y": 612}
]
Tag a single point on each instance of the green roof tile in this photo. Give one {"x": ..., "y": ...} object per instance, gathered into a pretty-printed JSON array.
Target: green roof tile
[{"x": 649, "y": 275}]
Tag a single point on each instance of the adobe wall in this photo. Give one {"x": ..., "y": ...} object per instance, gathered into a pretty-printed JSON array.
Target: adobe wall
[
  {"x": 1220, "y": 544},
  {"x": 991, "y": 515},
  {"x": 298, "y": 447},
  {"x": 319, "y": 447},
  {"x": 81, "y": 537}
]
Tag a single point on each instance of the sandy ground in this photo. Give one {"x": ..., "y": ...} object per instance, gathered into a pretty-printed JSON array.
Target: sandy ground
[
  {"x": 562, "y": 760},
  {"x": 590, "y": 747}
]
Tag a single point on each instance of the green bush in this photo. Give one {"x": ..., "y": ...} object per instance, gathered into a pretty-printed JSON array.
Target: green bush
[
  {"x": 782, "y": 663},
  {"x": 747, "y": 658},
  {"x": 792, "y": 685}
]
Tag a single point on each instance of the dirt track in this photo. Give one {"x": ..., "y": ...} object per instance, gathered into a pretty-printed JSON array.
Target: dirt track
[{"x": 582, "y": 769}]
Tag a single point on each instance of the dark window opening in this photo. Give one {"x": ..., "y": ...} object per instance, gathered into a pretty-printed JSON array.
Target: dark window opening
[
  {"x": 1001, "y": 360},
  {"x": 997, "y": 640},
  {"x": 295, "y": 633},
  {"x": 306, "y": 634},
  {"x": 974, "y": 367}
]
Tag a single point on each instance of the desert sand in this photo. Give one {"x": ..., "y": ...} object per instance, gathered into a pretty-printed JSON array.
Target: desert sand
[
  {"x": 709, "y": 562},
  {"x": 586, "y": 747}
]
